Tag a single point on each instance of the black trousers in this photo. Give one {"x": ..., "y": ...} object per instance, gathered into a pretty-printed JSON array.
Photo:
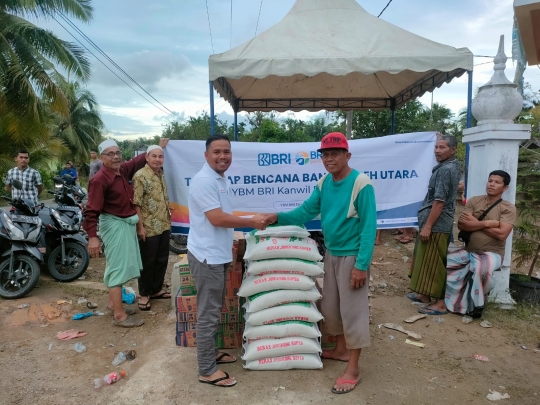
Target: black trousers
[{"x": 154, "y": 257}]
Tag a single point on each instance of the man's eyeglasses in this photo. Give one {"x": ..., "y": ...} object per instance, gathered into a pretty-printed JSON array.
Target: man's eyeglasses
[{"x": 113, "y": 154}]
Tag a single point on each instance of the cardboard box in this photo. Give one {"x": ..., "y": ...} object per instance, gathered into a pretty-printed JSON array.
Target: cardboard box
[
  {"x": 186, "y": 309},
  {"x": 232, "y": 340},
  {"x": 186, "y": 326},
  {"x": 228, "y": 336},
  {"x": 186, "y": 304},
  {"x": 180, "y": 279},
  {"x": 240, "y": 242}
]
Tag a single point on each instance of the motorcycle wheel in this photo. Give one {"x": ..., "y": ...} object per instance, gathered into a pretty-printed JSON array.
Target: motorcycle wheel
[
  {"x": 26, "y": 277},
  {"x": 178, "y": 244},
  {"x": 77, "y": 262}
]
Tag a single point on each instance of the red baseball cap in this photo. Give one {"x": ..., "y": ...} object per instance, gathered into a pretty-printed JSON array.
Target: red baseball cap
[{"x": 334, "y": 140}]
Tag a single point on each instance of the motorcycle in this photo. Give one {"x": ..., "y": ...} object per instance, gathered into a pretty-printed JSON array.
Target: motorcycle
[
  {"x": 66, "y": 252},
  {"x": 20, "y": 231}
]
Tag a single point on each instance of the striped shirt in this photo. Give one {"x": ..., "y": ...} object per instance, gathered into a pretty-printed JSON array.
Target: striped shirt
[{"x": 30, "y": 179}]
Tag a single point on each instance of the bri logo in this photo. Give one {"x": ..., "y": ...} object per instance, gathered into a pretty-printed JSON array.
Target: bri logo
[{"x": 268, "y": 159}]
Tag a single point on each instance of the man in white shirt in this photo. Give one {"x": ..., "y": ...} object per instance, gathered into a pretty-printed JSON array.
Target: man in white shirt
[{"x": 210, "y": 252}]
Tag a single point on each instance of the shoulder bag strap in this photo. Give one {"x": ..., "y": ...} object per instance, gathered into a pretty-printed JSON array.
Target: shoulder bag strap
[{"x": 481, "y": 217}]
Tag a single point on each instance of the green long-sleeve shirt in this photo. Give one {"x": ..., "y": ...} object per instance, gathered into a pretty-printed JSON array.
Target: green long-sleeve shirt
[{"x": 348, "y": 216}]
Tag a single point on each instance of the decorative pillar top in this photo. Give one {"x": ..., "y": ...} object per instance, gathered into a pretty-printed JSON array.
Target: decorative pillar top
[{"x": 498, "y": 101}]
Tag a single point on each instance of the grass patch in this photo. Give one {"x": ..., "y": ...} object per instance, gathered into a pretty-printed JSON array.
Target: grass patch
[{"x": 521, "y": 323}]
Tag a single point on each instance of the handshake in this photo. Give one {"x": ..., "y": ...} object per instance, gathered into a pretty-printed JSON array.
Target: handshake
[{"x": 261, "y": 221}]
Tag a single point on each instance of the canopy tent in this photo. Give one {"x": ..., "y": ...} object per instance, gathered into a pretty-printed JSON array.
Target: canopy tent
[{"x": 330, "y": 55}]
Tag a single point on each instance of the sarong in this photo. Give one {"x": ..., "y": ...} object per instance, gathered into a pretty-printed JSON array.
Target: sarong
[
  {"x": 123, "y": 260},
  {"x": 428, "y": 265},
  {"x": 469, "y": 278}
]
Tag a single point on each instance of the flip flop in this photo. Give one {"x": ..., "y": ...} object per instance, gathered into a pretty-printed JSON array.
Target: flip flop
[
  {"x": 162, "y": 296},
  {"x": 340, "y": 381},
  {"x": 323, "y": 356},
  {"x": 144, "y": 307},
  {"x": 412, "y": 296},
  {"x": 406, "y": 240},
  {"x": 130, "y": 322},
  {"x": 215, "y": 382},
  {"x": 221, "y": 355},
  {"x": 431, "y": 311}
]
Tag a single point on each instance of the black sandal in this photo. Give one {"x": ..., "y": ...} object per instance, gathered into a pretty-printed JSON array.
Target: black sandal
[
  {"x": 221, "y": 355},
  {"x": 215, "y": 382},
  {"x": 144, "y": 307}
]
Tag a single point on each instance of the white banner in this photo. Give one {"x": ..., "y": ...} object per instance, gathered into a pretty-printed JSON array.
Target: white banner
[{"x": 273, "y": 177}]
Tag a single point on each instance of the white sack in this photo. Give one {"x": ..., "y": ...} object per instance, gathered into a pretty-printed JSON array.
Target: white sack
[
  {"x": 270, "y": 299},
  {"x": 265, "y": 348},
  {"x": 255, "y": 284}
]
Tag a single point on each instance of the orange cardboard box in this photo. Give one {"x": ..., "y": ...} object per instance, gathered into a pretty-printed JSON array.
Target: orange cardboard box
[{"x": 186, "y": 304}]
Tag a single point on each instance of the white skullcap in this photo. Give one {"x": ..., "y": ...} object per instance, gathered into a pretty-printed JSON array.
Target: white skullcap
[
  {"x": 106, "y": 144},
  {"x": 152, "y": 147}
]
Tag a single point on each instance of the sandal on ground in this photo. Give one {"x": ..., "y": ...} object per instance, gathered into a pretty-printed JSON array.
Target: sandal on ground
[
  {"x": 339, "y": 381},
  {"x": 406, "y": 239},
  {"x": 215, "y": 382},
  {"x": 131, "y": 321},
  {"x": 144, "y": 307},
  {"x": 431, "y": 311},
  {"x": 413, "y": 297},
  {"x": 220, "y": 357},
  {"x": 161, "y": 296}
]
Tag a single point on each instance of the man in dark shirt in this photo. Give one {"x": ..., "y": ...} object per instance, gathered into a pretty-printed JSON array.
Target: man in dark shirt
[
  {"x": 435, "y": 221},
  {"x": 110, "y": 199}
]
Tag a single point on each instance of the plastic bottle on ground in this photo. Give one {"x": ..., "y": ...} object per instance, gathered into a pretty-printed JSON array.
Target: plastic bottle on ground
[
  {"x": 119, "y": 359},
  {"x": 109, "y": 379}
]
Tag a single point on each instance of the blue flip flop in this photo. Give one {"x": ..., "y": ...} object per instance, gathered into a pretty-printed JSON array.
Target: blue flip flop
[
  {"x": 431, "y": 311},
  {"x": 412, "y": 296}
]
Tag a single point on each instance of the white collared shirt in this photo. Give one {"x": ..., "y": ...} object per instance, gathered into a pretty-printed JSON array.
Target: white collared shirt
[{"x": 208, "y": 191}]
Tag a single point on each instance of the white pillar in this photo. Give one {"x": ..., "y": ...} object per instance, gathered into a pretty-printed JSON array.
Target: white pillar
[{"x": 494, "y": 145}]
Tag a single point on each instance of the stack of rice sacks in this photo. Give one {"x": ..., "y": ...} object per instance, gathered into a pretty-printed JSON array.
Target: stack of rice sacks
[{"x": 280, "y": 314}]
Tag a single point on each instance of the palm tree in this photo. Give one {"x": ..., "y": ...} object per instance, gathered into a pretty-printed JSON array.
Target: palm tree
[
  {"x": 31, "y": 94},
  {"x": 80, "y": 129},
  {"x": 31, "y": 56}
]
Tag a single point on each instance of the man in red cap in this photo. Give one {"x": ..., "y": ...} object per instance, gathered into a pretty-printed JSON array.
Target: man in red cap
[{"x": 345, "y": 199}]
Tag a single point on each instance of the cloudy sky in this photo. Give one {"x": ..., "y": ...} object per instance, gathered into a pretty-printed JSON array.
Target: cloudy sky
[{"x": 164, "y": 45}]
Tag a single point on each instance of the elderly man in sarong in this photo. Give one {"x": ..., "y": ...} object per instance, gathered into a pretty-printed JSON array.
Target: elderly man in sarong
[
  {"x": 435, "y": 221},
  {"x": 345, "y": 199},
  {"x": 470, "y": 270},
  {"x": 110, "y": 200}
]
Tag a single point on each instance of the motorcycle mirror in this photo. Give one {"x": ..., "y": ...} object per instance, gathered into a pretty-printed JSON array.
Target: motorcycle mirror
[{"x": 17, "y": 184}]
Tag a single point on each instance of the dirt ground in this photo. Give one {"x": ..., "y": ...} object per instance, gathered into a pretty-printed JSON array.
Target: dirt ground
[{"x": 38, "y": 368}]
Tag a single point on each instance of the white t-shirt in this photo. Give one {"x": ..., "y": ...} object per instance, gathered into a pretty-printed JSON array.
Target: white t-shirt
[{"x": 208, "y": 191}]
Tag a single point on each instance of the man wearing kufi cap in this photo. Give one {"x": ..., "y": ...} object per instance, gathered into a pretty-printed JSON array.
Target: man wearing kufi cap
[
  {"x": 110, "y": 201},
  {"x": 154, "y": 226},
  {"x": 345, "y": 200}
]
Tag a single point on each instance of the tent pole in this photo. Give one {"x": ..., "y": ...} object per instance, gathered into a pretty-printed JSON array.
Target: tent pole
[
  {"x": 393, "y": 110},
  {"x": 469, "y": 124},
  {"x": 236, "y": 120},
  {"x": 469, "y": 100},
  {"x": 212, "y": 121},
  {"x": 349, "y": 124}
]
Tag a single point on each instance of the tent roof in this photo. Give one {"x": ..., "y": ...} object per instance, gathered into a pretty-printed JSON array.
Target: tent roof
[{"x": 332, "y": 54}]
